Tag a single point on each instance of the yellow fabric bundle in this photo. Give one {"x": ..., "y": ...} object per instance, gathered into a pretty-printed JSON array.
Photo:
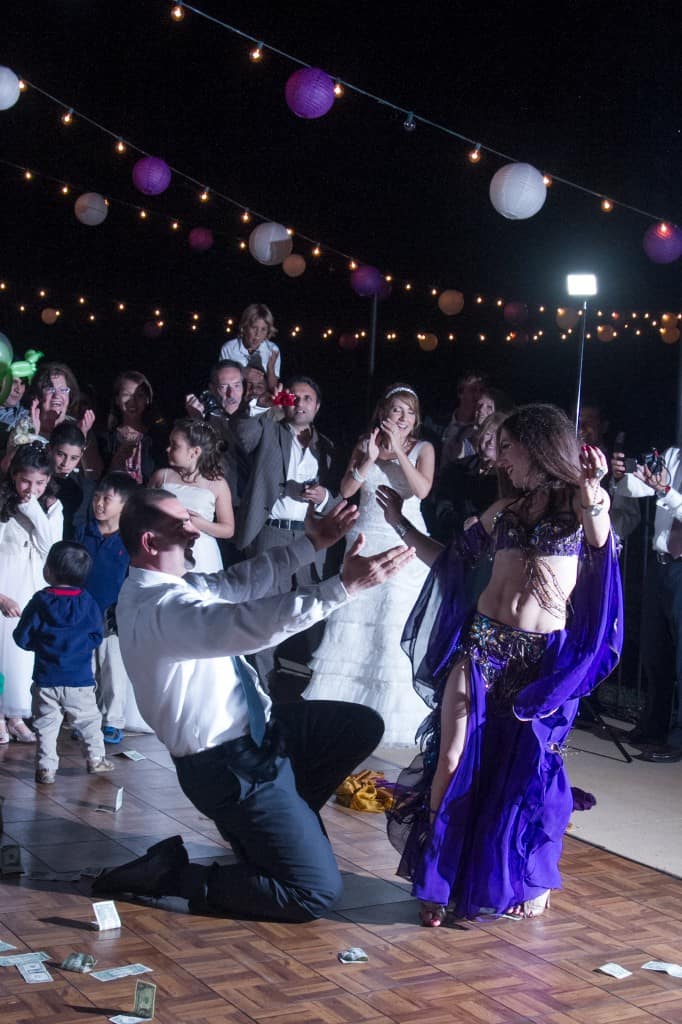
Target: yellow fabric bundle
[{"x": 364, "y": 792}]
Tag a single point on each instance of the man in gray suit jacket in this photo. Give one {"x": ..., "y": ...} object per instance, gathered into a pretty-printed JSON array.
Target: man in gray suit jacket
[{"x": 291, "y": 467}]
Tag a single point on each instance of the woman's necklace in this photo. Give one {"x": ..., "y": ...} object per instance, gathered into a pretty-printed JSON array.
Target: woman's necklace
[{"x": 188, "y": 476}]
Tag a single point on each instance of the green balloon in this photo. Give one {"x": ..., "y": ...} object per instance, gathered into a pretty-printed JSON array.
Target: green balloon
[
  {"x": 6, "y": 351},
  {"x": 6, "y": 378}
]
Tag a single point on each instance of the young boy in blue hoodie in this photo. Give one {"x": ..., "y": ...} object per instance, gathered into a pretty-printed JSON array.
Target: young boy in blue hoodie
[
  {"x": 62, "y": 625},
  {"x": 100, "y": 537}
]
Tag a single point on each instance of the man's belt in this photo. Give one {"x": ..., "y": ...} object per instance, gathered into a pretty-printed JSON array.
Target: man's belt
[{"x": 286, "y": 524}]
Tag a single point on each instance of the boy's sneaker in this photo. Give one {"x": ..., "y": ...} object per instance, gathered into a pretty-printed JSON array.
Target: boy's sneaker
[
  {"x": 45, "y": 776},
  {"x": 100, "y": 766},
  {"x": 112, "y": 734}
]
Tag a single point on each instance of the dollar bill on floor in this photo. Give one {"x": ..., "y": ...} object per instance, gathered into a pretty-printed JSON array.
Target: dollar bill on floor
[
  {"x": 23, "y": 958},
  {"x": 106, "y": 916},
  {"x": 116, "y": 803},
  {"x": 114, "y": 973},
  {"x": 132, "y": 755},
  {"x": 34, "y": 972},
  {"x": 614, "y": 970},
  {"x": 127, "y": 1018},
  {"x": 5, "y": 946},
  {"x": 674, "y": 970},
  {"x": 354, "y": 955},
  {"x": 10, "y": 861},
  {"x": 145, "y": 999},
  {"x": 81, "y": 963}
]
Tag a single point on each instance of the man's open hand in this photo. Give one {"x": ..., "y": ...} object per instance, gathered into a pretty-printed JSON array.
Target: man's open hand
[{"x": 360, "y": 572}]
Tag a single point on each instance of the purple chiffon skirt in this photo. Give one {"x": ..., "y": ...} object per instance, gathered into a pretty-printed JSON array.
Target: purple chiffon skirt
[{"x": 497, "y": 838}]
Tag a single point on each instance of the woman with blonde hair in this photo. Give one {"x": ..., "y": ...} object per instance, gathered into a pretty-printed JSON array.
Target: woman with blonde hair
[{"x": 360, "y": 658}]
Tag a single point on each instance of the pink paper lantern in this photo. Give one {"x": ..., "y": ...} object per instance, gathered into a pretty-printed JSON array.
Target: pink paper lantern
[
  {"x": 200, "y": 239},
  {"x": 309, "y": 93},
  {"x": 348, "y": 342},
  {"x": 663, "y": 243},
  {"x": 151, "y": 329},
  {"x": 151, "y": 175},
  {"x": 367, "y": 281},
  {"x": 515, "y": 312}
]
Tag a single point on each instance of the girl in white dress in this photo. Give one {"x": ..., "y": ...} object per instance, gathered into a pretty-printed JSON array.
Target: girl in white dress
[
  {"x": 360, "y": 658},
  {"x": 195, "y": 478},
  {"x": 31, "y": 522}
]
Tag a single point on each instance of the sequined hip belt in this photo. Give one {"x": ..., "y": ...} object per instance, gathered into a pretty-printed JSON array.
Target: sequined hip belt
[{"x": 506, "y": 656}]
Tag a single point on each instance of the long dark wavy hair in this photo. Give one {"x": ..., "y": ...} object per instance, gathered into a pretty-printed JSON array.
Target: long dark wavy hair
[
  {"x": 200, "y": 434},
  {"x": 27, "y": 456}
]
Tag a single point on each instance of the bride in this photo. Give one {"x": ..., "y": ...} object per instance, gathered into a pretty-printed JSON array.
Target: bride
[{"x": 360, "y": 658}]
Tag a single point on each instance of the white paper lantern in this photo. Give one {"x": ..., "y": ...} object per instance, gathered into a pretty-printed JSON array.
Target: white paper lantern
[
  {"x": 91, "y": 208},
  {"x": 270, "y": 244},
  {"x": 517, "y": 191},
  {"x": 9, "y": 88}
]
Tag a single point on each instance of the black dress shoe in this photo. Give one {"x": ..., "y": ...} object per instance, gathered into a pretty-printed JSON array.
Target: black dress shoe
[
  {"x": 661, "y": 755},
  {"x": 154, "y": 874}
]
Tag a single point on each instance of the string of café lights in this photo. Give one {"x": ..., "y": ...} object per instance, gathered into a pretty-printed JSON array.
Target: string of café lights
[
  {"x": 155, "y": 319},
  {"x": 153, "y": 312},
  {"x": 177, "y": 12}
]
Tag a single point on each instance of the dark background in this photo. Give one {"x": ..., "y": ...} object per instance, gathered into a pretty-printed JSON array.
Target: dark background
[{"x": 587, "y": 91}]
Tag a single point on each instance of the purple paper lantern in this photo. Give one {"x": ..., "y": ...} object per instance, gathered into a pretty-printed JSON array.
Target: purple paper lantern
[
  {"x": 200, "y": 239},
  {"x": 367, "y": 281},
  {"x": 663, "y": 243},
  {"x": 309, "y": 93},
  {"x": 151, "y": 175},
  {"x": 515, "y": 312}
]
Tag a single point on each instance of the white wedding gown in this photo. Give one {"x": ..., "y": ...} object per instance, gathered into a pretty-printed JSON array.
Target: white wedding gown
[{"x": 360, "y": 658}]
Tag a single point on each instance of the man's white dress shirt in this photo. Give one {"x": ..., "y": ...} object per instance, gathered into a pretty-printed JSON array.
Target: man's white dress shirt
[
  {"x": 178, "y": 634},
  {"x": 668, "y": 508},
  {"x": 304, "y": 465}
]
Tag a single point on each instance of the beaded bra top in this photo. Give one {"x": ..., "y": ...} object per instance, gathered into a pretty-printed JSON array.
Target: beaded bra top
[{"x": 546, "y": 537}]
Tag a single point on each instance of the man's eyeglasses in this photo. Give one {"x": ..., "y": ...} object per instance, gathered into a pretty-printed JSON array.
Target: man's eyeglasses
[{"x": 56, "y": 391}]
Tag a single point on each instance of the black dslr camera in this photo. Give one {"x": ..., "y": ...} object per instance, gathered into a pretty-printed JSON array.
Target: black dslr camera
[
  {"x": 653, "y": 461},
  {"x": 211, "y": 404}
]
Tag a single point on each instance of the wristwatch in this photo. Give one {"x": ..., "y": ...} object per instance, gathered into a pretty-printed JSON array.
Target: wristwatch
[{"x": 401, "y": 529}]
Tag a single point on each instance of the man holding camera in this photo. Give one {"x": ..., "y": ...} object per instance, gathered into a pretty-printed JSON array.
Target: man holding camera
[
  {"x": 291, "y": 468},
  {"x": 660, "y": 476}
]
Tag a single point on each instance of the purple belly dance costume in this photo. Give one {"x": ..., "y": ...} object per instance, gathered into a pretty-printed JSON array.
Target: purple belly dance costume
[{"x": 497, "y": 837}]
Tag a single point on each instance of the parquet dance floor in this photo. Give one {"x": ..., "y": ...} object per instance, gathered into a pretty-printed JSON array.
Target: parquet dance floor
[{"x": 220, "y": 971}]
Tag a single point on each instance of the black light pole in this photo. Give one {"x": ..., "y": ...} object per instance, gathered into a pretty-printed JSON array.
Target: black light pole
[{"x": 371, "y": 365}]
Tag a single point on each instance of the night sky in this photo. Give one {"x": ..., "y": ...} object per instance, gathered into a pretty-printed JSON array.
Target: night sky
[{"x": 586, "y": 91}]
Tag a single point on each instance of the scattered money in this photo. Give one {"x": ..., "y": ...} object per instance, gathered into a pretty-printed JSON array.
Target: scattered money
[
  {"x": 145, "y": 999},
  {"x": 34, "y": 972},
  {"x": 106, "y": 915},
  {"x": 354, "y": 955},
  {"x": 116, "y": 804},
  {"x": 22, "y": 958},
  {"x": 674, "y": 970},
  {"x": 127, "y": 1018},
  {"x": 615, "y": 970},
  {"x": 6, "y": 945},
  {"x": 10, "y": 861},
  {"x": 114, "y": 973},
  {"x": 132, "y": 755},
  {"x": 82, "y": 963}
]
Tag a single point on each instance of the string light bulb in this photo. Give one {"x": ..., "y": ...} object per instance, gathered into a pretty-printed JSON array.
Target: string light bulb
[
  {"x": 256, "y": 54},
  {"x": 143, "y": 214},
  {"x": 475, "y": 154},
  {"x": 352, "y": 265},
  {"x": 409, "y": 124},
  {"x": 120, "y": 146},
  {"x": 547, "y": 180},
  {"x": 177, "y": 12},
  {"x": 245, "y": 217},
  {"x": 606, "y": 205},
  {"x": 338, "y": 89},
  {"x": 317, "y": 251},
  {"x": 175, "y": 225},
  {"x": 22, "y": 85},
  {"x": 120, "y": 306},
  {"x": 67, "y": 116},
  {"x": 204, "y": 196},
  {"x": 28, "y": 175},
  {"x": 65, "y": 190}
]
